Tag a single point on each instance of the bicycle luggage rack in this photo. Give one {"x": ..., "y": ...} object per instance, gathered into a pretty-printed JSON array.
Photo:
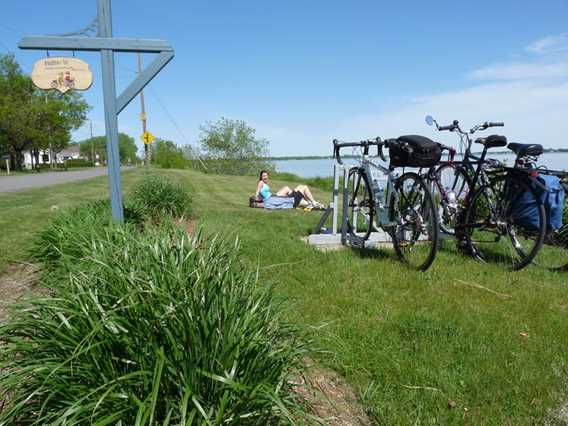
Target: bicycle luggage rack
[{"x": 325, "y": 238}]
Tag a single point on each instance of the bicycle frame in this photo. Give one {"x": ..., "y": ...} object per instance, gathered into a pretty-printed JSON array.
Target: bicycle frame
[
  {"x": 389, "y": 195},
  {"x": 382, "y": 200}
]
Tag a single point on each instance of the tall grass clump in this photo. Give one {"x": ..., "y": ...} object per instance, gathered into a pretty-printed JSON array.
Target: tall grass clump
[
  {"x": 158, "y": 196},
  {"x": 157, "y": 327},
  {"x": 72, "y": 231}
]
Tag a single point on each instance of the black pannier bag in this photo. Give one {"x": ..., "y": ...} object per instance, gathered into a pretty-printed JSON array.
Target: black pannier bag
[{"x": 414, "y": 151}]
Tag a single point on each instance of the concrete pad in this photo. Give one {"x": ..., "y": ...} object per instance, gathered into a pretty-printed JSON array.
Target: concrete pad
[{"x": 333, "y": 241}]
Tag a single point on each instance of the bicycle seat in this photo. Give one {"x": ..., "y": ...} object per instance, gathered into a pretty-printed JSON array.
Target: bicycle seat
[
  {"x": 526, "y": 149},
  {"x": 492, "y": 141}
]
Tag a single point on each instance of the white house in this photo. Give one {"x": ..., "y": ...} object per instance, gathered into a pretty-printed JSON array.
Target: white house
[{"x": 70, "y": 153}]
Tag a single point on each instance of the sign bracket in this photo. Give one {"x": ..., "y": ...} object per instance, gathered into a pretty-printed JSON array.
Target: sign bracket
[{"x": 107, "y": 46}]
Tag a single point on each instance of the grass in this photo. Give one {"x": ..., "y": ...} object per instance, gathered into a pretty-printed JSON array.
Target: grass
[
  {"x": 23, "y": 214},
  {"x": 495, "y": 342}
]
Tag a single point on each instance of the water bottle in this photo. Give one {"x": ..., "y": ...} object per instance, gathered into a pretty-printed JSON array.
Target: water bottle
[
  {"x": 379, "y": 188},
  {"x": 452, "y": 199}
]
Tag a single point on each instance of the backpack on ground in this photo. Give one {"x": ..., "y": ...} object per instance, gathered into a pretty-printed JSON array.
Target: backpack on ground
[{"x": 254, "y": 202}]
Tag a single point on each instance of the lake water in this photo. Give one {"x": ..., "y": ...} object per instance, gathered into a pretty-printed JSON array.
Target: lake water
[{"x": 324, "y": 167}]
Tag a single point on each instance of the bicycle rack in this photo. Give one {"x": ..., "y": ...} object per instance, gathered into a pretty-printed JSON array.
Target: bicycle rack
[{"x": 325, "y": 238}]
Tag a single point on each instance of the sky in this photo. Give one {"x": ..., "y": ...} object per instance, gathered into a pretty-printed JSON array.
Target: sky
[{"x": 305, "y": 72}]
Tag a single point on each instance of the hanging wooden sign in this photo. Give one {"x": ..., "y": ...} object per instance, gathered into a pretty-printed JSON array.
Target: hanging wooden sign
[{"x": 62, "y": 74}]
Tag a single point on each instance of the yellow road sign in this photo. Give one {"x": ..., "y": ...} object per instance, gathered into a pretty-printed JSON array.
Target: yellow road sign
[{"x": 148, "y": 137}]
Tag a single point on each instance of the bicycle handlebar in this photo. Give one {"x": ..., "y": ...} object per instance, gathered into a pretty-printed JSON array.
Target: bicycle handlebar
[
  {"x": 455, "y": 126},
  {"x": 365, "y": 144},
  {"x": 486, "y": 125},
  {"x": 450, "y": 127}
]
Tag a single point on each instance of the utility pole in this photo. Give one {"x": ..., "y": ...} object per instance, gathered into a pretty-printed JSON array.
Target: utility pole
[{"x": 143, "y": 118}]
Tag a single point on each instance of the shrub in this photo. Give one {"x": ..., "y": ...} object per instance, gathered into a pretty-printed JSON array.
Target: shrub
[
  {"x": 79, "y": 162},
  {"x": 231, "y": 147},
  {"x": 250, "y": 166},
  {"x": 156, "y": 328},
  {"x": 325, "y": 183},
  {"x": 157, "y": 196}
]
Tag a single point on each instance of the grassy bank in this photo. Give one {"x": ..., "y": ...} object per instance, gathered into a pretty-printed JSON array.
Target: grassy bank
[{"x": 463, "y": 342}]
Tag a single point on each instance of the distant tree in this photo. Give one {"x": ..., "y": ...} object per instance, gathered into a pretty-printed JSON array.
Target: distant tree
[
  {"x": 166, "y": 154},
  {"x": 127, "y": 148},
  {"x": 231, "y": 147},
  {"x": 31, "y": 119},
  {"x": 96, "y": 146}
]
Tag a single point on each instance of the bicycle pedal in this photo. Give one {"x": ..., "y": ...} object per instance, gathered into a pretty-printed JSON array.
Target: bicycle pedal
[{"x": 357, "y": 241}]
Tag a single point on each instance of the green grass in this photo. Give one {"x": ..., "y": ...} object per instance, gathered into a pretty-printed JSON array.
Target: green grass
[
  {"x": 23, "y": 214},
  {"x": 393, "y": 333}
]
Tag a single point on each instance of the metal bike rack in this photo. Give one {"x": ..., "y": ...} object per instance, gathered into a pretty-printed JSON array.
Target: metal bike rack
[{"x": 325, "y": 238}]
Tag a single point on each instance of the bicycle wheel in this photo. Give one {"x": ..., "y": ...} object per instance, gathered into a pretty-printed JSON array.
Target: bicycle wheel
[
  {"x": 449, "y": 190},
  {"x": 496, "y": 227},
  {"x": 361, "y": 207},
  {"x": 415, "y": 235},
  {"x": 554, "y": 251}
]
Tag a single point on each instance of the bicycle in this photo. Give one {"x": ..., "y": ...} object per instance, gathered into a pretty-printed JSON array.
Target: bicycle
[
  {"x": 489, "y": 224},
  {"x": 449, "y": 185},
  {"x": 375, "y": 197},
  {"x": 452, "y": 180}
]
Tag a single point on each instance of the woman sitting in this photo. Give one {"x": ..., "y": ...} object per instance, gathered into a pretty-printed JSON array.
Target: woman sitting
[{"x": 285, "y": 198}]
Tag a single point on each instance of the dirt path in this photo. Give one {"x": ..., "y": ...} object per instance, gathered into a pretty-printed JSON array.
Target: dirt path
[
  {"x": 15, "y": 282},
  {"x": 330, "y": 397}
]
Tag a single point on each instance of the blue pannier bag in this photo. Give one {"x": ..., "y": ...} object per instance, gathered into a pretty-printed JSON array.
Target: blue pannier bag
[
  {"x": 554, "y": 202},
  {"x": 525, "y": 208}
]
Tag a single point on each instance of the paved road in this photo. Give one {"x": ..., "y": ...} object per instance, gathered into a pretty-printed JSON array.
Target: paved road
[{"x": 23, "y": 182}]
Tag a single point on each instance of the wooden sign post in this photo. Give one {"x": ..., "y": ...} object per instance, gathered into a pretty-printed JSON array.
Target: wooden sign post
[{"x": 107, "y": 45}]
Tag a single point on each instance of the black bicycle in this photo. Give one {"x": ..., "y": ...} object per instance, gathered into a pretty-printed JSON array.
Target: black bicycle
[{"x": 494, "y": 222}]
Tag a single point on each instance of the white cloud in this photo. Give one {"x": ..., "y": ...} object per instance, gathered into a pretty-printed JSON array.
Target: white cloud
[
  {"x": 550, "y": 44},
  {"x": 530, "y": 97},
  {"x": 532, "y": 112},
  {"x": 520, "y": 71}
]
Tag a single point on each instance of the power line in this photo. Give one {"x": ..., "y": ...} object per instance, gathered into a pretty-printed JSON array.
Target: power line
[
  {"x": 178, "y": 128},
  {"x": 171, "y": 118},
  {"x": 90, "y": 30}
]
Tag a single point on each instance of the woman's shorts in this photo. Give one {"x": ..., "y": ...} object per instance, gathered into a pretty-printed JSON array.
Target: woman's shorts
[{"x": 297, "y": 195}]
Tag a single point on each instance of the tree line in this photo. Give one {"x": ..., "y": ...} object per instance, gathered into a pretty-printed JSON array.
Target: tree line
[{"x": 34, "y": 120}]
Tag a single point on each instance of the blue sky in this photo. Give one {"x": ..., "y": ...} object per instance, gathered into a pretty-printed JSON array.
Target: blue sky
[{"x": 303, "y": 73}]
